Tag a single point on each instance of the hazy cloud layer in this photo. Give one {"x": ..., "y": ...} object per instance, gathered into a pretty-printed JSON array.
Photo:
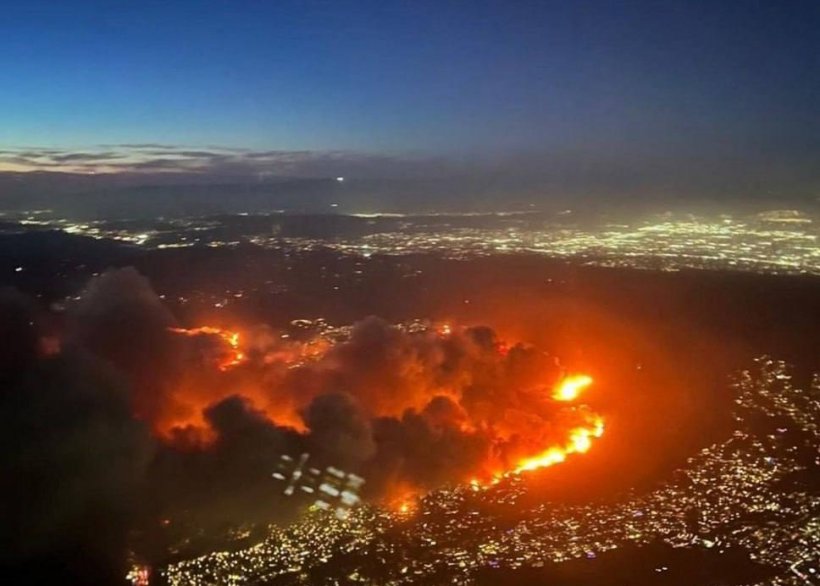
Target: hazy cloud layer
[
  {"x": 418, "y": 180},
  {"x": 130, "y": 158}
]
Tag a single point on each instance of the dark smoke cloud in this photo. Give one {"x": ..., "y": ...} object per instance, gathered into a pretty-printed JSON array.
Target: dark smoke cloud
[
  {"x": 412, "y": 409},
  {"x": 402, "y": 409},
  {"x": 426, "y": 449},
  {"x": 73, "y": 459},
  {"x": 229, "y": 481},
  {"x": 121, "y": 319},
  {"x": 339, "y": 429},
  {"x": 19, "y": 328}
]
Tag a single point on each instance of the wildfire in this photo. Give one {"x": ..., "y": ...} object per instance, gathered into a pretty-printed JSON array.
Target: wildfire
[
  {"x": 579, "y": 442},
  {"x": 233, "y": 358},
  {"x": 226, "y": 349},
  {"x": 583, "y": 427},
  {"x": 579, "y": 439},
  {"x": 571, "y": 386}
]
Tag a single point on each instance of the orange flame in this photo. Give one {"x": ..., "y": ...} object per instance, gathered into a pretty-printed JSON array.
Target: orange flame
[
  {"x": 404, "y": 500},
  {"x": 580, "y": 438},
  {"x": 571, "y": 386},
  {"x": 183, "y": 420},
  {"x": 579, "y": 442},
  {"x": 234, "y": 358}
]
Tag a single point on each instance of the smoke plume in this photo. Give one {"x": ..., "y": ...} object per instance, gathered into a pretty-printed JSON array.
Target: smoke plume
[{"x": 122, "y": 397}]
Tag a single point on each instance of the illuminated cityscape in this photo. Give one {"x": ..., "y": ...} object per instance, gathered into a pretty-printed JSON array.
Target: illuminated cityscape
[
  {"x": 734, "y": 494},
  {"x": 779, "y": 242}
]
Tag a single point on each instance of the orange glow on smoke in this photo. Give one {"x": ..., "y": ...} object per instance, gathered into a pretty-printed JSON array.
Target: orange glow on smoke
[
  {"x": 571, "y": 386},
  {"x": 183, "y": 421},
  {"x": 403, "y": 500},
  {"x": 536, "y": 441},
  {"x": 579, "y": 439},
  {"x": 233, "y": 358}
]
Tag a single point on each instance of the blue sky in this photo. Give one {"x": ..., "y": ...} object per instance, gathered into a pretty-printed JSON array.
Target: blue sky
[{"x": 490, "y": 78}]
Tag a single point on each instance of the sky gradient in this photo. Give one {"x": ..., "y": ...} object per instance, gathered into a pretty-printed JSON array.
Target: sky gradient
[{"x": 625, "y": 80}]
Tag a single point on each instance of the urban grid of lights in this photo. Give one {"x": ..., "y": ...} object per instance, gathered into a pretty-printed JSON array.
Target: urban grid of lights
[{"x": 728, "y": 495}]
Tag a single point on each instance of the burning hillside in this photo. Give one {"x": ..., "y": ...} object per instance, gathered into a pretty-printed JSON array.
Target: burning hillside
[
  {"x": 491, "y": 408},
  {"x": 408, "y": 407}
]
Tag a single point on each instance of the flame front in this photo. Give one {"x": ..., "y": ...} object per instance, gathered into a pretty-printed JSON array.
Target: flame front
[
  {"x": 580, "y": 438},
  {"x": 537, "y": 445},
  {"x": 233, "y": 358},
  {"x": 579, "y": 442}
]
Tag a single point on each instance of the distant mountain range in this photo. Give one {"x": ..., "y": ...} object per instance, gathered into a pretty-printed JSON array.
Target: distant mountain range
[{"x": 141, "y": 195}]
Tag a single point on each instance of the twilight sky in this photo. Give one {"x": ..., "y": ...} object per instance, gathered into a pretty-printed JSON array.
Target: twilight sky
[{"x": 730, "y": 83}]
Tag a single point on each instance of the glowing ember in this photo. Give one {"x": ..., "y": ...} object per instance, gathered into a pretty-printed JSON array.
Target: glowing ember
[
  {"x": 406, "y": 506},
  {"x": 570, "y": 387},
  {"x": 445, "y": 330}
]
